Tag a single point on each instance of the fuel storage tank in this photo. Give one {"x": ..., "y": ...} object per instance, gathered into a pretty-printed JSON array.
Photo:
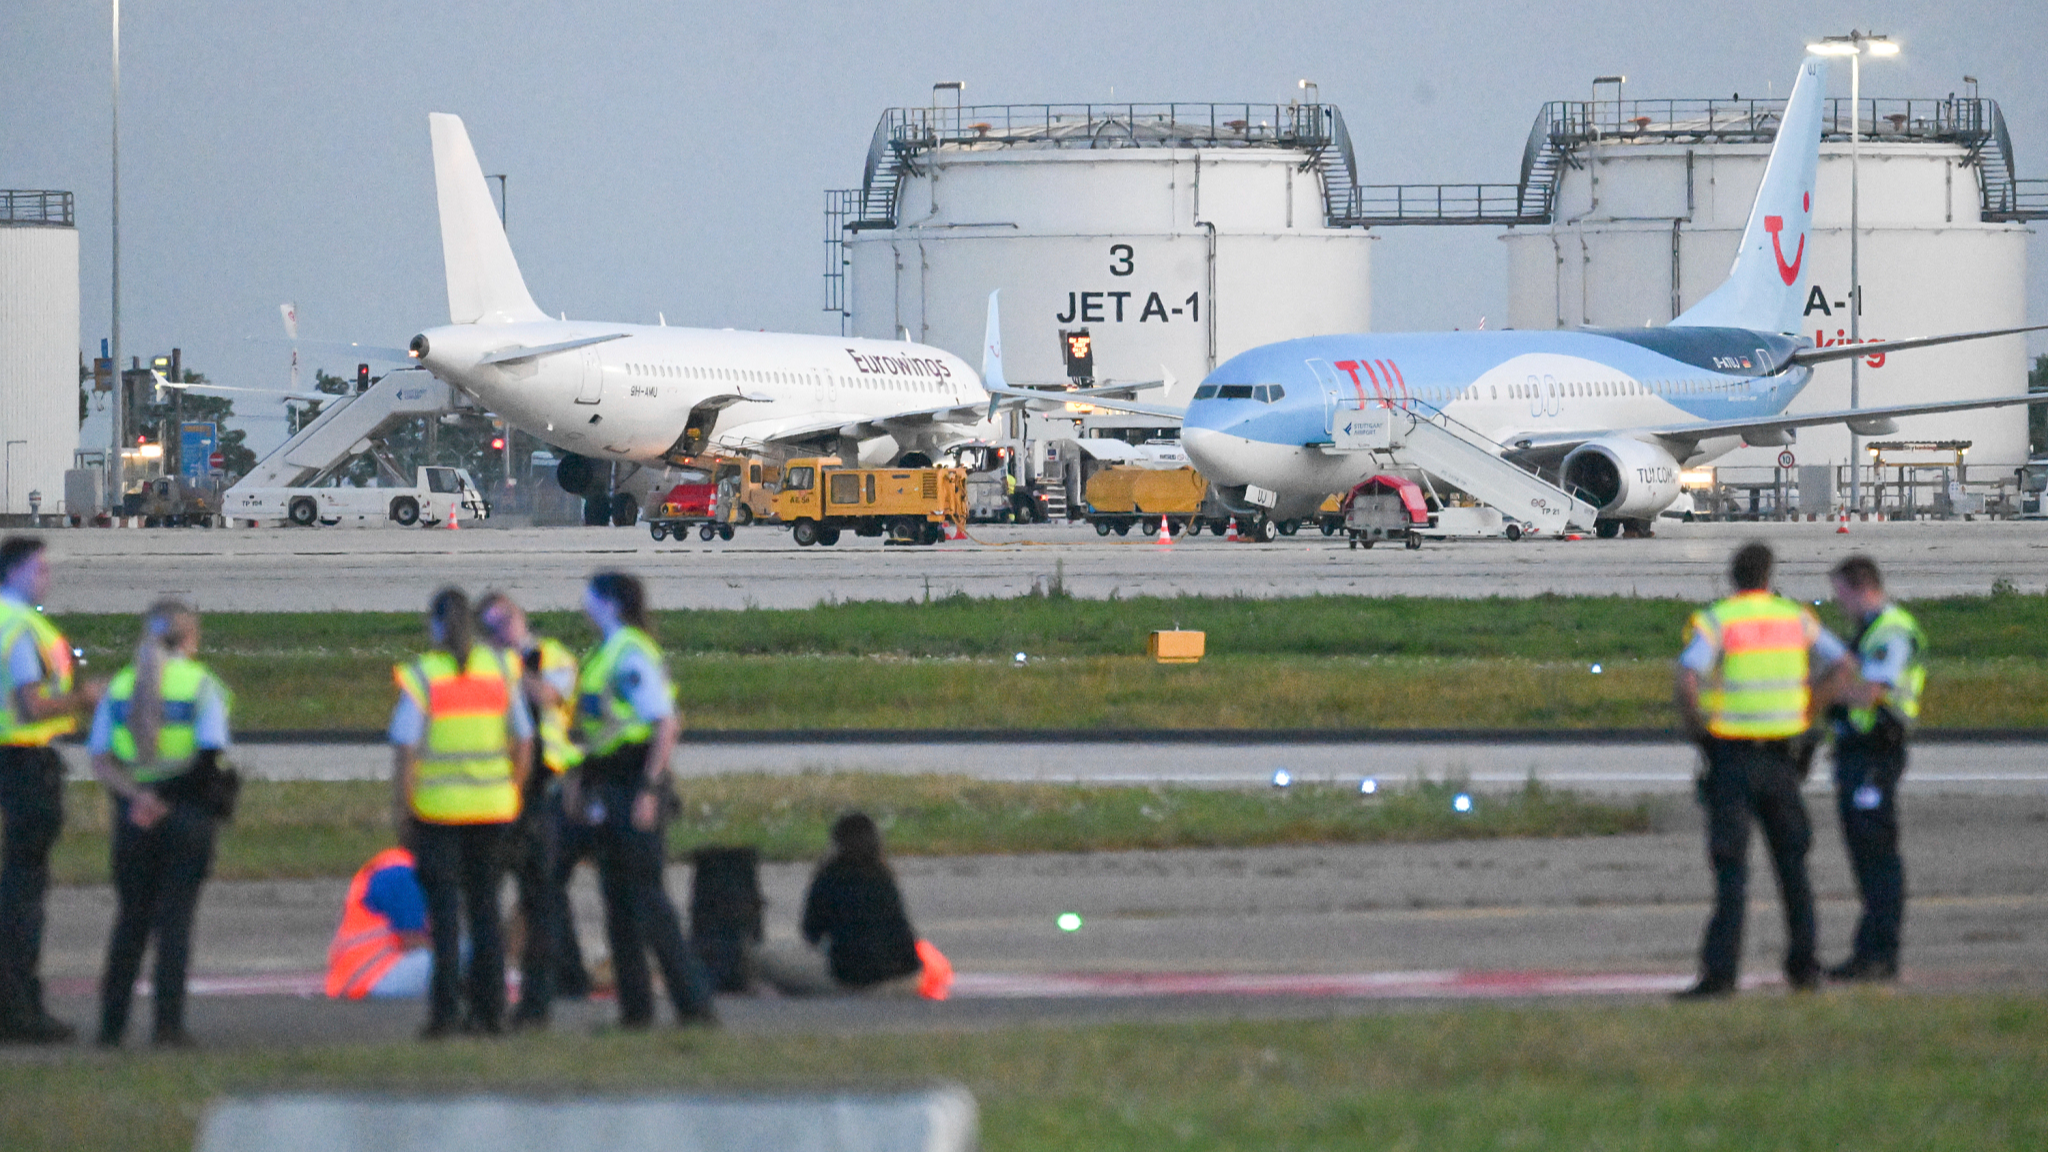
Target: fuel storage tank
[
  {"x": 1175, "y": 234},
  {"x": 38, "y": 347},
  {"x": 1649, "y": 199}
]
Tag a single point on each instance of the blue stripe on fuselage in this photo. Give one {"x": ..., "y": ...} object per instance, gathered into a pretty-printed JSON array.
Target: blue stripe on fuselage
[{"x": 1446, "y": 362}]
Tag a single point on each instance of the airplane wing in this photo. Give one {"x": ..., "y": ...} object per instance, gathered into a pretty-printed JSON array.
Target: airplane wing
[
  {"x": 755, "y": 433},
  {"x": 1705, "y": 429},
  {"x": 1885, "y": 347},
  {"x": 273, "y": 393}
]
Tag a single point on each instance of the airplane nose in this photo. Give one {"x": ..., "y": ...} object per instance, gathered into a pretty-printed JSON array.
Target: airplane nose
[{"x": 1215, "y": 454}]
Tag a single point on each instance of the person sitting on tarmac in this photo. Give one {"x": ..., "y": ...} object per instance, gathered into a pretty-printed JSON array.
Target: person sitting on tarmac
[
  {"x": 382, "y": 950},
  {"x": 857, "y": 938}
]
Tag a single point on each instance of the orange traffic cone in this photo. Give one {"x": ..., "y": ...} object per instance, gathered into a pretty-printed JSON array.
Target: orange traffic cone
[
  {"x": 1165, "y": 532},
  {"x": 1230, "y": 533},
  {"x": 454, "y": 515},
  {"x": 1842, "y": 529},
  {"x": 953, "y": 530}
]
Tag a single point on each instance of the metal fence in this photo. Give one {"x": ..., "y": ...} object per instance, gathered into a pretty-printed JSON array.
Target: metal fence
[{"x": 36, "y": 206}]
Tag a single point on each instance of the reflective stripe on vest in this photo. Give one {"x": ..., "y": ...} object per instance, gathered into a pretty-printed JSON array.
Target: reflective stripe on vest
[
  {"x": 364, "y": 947},
  {"x": 605, "y": 719},
  {"x": 185, "y": 685},
  {"x": 558, "y": 749},
  {"x": 55, "y": 652},
  {"x": 465, "y": 762},
  {"x": 1759, "y": 687},
  {"x": 1892, "y": 626}
]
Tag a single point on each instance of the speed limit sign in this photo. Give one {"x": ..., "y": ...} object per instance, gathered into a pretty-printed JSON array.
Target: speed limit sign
[{"x": 1785, "y": 459}]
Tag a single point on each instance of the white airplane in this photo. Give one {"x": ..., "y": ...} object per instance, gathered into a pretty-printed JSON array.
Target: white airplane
[
  {"x": 645, "y": 395},
  {"x": 1608, "y": 414}
]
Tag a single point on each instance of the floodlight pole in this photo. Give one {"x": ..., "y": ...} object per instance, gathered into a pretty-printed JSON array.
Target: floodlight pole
[{"x": 116, "y": 482}]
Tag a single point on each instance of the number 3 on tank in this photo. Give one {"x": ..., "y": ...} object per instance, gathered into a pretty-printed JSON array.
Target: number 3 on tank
[{"x": 1122, "y": 260}]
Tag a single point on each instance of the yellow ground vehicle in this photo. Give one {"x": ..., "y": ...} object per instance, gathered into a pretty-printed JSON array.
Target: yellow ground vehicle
[
  {"x": 1120, "y": 497},
  {"x": 819, "y": 499}
]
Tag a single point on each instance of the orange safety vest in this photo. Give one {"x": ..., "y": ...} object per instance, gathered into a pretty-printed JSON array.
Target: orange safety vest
[{"x": 364, "y": 947}]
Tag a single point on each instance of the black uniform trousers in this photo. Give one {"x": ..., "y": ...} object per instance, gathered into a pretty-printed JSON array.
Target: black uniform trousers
[
  {"x": 31, "y": 815},
  {"x": 459, "y": 866},
  {"x": 638, "y": 914},
  {"x": 1755, "y": 780},
  {"x": 534, "y": 844},
  {"x": 574, "y": 842},
  {"x": 1870, "y": 831},
  {"x": 158, "y": 872}
]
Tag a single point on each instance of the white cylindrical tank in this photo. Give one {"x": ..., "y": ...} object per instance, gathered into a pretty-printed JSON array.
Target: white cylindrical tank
[
  {"x": 1644, "y": 230},
  {"x": 38, "y": 347},
  {"x": 1177, "y": 235}
]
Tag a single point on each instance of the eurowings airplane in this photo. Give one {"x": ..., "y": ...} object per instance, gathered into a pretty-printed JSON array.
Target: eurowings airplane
[
  {"x": 647, "y": 395},
  {"x": 1612, "y": 413}
]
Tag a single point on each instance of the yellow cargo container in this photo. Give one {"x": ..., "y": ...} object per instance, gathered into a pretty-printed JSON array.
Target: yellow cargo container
[{"x": 1120, "y": 497}]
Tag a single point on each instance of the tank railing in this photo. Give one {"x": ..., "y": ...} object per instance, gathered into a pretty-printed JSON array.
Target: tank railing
[
  {"x": 1958, "y": 119},
  {"x": 1129, "y": 125},
  {"x": 37, "y": 206},
  {"x": 1388, "y": 204}
]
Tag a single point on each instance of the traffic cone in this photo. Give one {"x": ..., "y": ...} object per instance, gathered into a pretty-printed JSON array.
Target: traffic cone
[
  {"x": 1230, "y": 534},
  {"x": 1842, "y": 529},
  {"x": 454, "y": 515},
  {"x": 954, "y": 531},
  {"x": 1165, "y": 532}
]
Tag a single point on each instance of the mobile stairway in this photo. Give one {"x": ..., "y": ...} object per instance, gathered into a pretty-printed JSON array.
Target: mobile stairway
[
  {"x": 347, "y": 427},
  {"x": 1413, "y": 434}
]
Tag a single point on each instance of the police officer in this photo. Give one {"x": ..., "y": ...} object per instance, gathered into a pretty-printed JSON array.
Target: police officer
[
  {"x": 627, "y": 723},
  {"x": 39, "y": 701},
  {"x": 548, "y": 682},
  {"x": 156, "y": 742},
  {"x": 1871, "y": 722},
  {"x": 461, "y": 741},
  {"x": 1744, "y": 693}
]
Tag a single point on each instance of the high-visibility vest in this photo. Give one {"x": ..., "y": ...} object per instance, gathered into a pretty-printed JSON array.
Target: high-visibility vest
[
  {"x": 55, "y": 651},
  {"x": 465, "y": 762},
  {"x": 1894, "y": 625},
  {"x": 364, "y": 948},
  {"x": 606, "y": 720},
  {"x": 186, "y": 684},
  {"x": 558, "y": 749},
  {"x": 1758, "y": 690}
]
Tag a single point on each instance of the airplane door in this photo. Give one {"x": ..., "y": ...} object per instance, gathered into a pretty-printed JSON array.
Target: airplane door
[
  {"x": 591, "y": 388},
  {"x": 1333, "y": 393}
]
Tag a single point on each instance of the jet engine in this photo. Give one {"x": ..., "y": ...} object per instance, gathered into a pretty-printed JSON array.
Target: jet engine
[
  {"x": 578, "y": 475},
  {"x": 1626, "y": 479}
]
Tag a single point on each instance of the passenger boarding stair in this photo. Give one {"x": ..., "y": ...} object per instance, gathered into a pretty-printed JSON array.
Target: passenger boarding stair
[
  {"x": 1413, "y": 434},
  {"x": 348, "y": 427}
]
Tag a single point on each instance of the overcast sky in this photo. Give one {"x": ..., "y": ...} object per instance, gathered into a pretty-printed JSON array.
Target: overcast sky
[{"x": 671, "y": 157}]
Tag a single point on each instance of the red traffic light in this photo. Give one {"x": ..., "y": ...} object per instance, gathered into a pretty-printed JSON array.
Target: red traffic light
[{"x": 497, "y": 443}]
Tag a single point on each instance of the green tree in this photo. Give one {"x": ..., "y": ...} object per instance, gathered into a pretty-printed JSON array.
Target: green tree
[
  {"x": 300, "y": 415},
  {"x": 2037, "y": 414}
]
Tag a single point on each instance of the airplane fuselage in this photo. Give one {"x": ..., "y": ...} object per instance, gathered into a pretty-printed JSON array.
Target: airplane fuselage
[
  {"x": 655, "y": 391},
  {"x": 1265, "y": 417}
]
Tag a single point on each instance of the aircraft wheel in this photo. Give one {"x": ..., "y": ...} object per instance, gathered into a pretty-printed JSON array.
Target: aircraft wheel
[
  {"x": 597, "y": 511},
  {"x": 1268, "y": 531},
  {"x": 804, "y": 532},
  {"x": 625, "y": 510},
  {"x": 1606, "y": 529}
]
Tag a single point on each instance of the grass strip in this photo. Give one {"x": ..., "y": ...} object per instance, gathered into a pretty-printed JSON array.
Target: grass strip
[
  {"x": 303, "y": 829},
  {"x": 1844, "y": 1070},
  {"x": 1322, "y": 661}
]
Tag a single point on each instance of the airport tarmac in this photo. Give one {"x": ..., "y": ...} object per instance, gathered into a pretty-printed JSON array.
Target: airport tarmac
[
  {"x": 2013, "y": 768},
  {"x": 1289, "y": 931},
  {"x": 123, "y": 570}
]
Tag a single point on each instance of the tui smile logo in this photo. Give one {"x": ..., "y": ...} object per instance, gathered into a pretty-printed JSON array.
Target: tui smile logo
[{"x": 1789, "y": 273}]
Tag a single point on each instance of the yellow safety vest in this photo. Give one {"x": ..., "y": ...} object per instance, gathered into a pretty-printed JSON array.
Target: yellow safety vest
[
  {"x": 1892, "y": 626},
  {"x": 606, "y": 720},
  {"x": 1758, "y": 690},
  {"x": 55, "y": 651},
  {"x": 186, "y": 685},
  {"x": 465, "y": 763},
  {"x": 558, "y": 750}
]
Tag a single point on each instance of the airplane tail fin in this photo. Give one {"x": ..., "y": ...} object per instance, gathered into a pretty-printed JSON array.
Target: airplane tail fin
[
  {"x": 1765, "y": 290},
  {"x": 484, "y": 284},
  {"x": 992, "y": 345}
]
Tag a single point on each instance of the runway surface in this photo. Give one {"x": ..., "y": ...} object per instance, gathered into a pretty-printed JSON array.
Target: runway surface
[
  {"x": 2007, "y": 769},
  {"x": 116, "y": 570},
  {"x": 1291, "y": 931}
]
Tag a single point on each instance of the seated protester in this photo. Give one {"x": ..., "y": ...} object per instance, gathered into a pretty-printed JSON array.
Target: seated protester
[
  {"x": 382, "y": 950},
  {"x": 860, "y": 939}
]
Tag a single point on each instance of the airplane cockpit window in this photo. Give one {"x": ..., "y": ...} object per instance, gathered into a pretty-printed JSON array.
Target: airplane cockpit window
[
  {"x": 799, "y": 479},
  {"x": 1234, "y": 392}
]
